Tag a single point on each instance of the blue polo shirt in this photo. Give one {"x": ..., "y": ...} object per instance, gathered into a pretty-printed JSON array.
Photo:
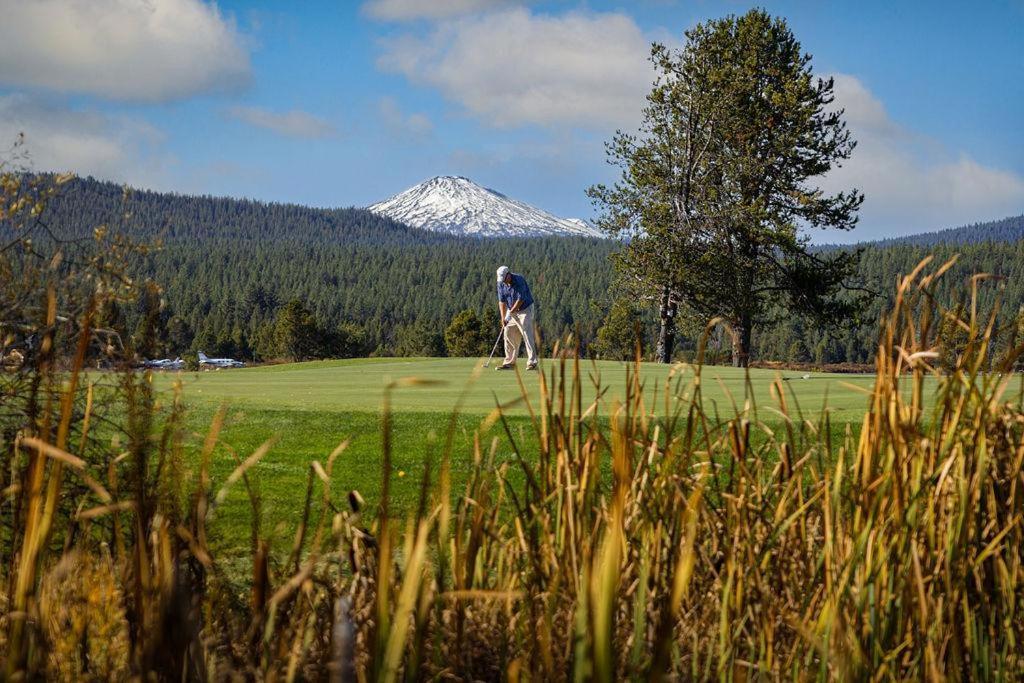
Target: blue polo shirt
[{"x": 514, "y": 292}]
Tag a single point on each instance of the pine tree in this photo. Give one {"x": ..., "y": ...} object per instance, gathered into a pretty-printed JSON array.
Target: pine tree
[
  {"x": 618, "y": 336},
  {"x": 179, "y": 335},
  {"x": 421, "y": 338},
  {"x": 296, "y": 332},
  {"x": 352, "y": 341},
  {"x": 150, "y": 337},
  {"x": 464, "y": 336},
  {"x": 714, "y": 186}
]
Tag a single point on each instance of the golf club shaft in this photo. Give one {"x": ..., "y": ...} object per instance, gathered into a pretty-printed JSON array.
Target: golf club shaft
[{"x": 496, "y": 342}]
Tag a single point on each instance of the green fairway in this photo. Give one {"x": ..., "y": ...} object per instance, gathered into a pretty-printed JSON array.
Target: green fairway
[
  {"x": 312, "y": 407},
  {"x": 358, "y": 385}
]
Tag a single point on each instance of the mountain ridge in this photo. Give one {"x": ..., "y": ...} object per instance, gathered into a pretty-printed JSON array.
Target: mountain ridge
[
  {"x": 1008, "y": 229},
  {"x": 156, "y": 213},
  {"x": 456, "y": 205}
]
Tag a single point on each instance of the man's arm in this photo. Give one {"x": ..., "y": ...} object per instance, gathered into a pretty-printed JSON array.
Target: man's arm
[
  {"x": 507, "y": 312},
  {"x": 515, "y": 304}
]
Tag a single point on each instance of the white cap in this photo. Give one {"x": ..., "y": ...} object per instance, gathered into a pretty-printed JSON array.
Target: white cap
[{"x": 502, "y": 272}]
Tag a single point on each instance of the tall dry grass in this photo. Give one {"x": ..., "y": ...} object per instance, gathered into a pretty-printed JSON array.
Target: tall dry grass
[{"x": 687, "y": 547}]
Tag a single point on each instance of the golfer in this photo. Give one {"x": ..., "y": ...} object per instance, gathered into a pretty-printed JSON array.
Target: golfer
[{"x": 515, "y": 304}]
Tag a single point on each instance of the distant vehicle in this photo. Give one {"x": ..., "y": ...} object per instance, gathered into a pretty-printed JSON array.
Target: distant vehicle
[
  {"x": 164, "y": 364},
  {"x": 219, "y": 362}
]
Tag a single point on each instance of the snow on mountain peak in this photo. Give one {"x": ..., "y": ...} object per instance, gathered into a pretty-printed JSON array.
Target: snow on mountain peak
[{"x": 457, "y": 205}]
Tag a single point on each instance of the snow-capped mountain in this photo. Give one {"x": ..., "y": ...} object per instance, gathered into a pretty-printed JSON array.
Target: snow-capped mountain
[{"x": 457, "y": 205}]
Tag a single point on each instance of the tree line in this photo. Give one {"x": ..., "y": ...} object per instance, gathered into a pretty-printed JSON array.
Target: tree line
[
  {"x": 261, "y": 281},
  {"x": 720, "y": 189}
]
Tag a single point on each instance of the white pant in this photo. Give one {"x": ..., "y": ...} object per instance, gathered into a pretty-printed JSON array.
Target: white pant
[{"x": 520, "y": 330}]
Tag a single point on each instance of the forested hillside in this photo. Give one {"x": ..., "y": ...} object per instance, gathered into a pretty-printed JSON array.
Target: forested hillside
[
  {"x": 880, "y": 267},
  {"x": 1008, "y": 229},
  {"x": 228, "y": 266},
  {"x": 239, "y": 275}
]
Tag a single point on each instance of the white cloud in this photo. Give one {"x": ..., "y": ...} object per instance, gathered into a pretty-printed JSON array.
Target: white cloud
[
  {"x": 514, "y": 67},
  {"x": 294, "y": 124},
  {"x": 139, "y": 50},
  {"x": 60, "y": 138},
  {"x": 912, "y": 183},
  {"x": 417, "y": 126},
  {"x": 408, "y": 10}
]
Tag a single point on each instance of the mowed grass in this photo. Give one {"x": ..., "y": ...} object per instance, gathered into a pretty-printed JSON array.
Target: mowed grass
[
  {"x": 359, "y": 384},
  {"x": 310, "y": 408}
]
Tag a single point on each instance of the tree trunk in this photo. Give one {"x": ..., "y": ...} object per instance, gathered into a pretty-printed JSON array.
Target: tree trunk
[
  {"x": 667, "y": 333},
  {"x": 741, "y": 342}
]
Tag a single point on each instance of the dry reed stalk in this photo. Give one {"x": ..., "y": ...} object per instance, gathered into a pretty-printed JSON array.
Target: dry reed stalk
[{"x": 684, "y": 545}]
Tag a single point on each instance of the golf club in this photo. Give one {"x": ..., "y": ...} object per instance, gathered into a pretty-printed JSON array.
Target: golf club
[{"x": 496, "y": 342}]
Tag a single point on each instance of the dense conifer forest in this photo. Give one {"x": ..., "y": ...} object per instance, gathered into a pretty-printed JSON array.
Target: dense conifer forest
[
  {"x": 258, "y": 280},
  {"x": 228, "y": 267},
  {"x": 1008, "y": 229}
]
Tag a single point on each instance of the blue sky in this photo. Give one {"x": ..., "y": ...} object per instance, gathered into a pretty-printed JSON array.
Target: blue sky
[{"x": 345, "y": 103}]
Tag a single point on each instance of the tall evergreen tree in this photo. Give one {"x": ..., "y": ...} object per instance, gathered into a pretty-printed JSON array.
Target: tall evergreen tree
[
  {"x": 150, "y": 337},
  {"x": 720, "y": 179},
  {"x": 622, "y": 330},
  {"x": 420, "y": 338},
  {"x": 179, "y": 335},
  {"x": 296, "y": 332},
  {"x": 465, "y": 335},
  {"x": 347, "y": 340}
]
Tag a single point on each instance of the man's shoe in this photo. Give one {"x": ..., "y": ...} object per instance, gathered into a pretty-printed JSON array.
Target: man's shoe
[
  {"x": 506, "y": 367},
  {"x": 531, "y": 366}
]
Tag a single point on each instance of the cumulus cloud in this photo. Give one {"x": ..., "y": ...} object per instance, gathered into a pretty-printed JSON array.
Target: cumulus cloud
[
  {"x": 61, "y": 138},
  {"x": 416, "y": 125},
  {"x": 293, "y": 124},
  {"x": 912, "y": 183},
  {"x": 150, "y": 51},
  {"x": 408, "y": 10},
  {"x": 513, "y": 67}
]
